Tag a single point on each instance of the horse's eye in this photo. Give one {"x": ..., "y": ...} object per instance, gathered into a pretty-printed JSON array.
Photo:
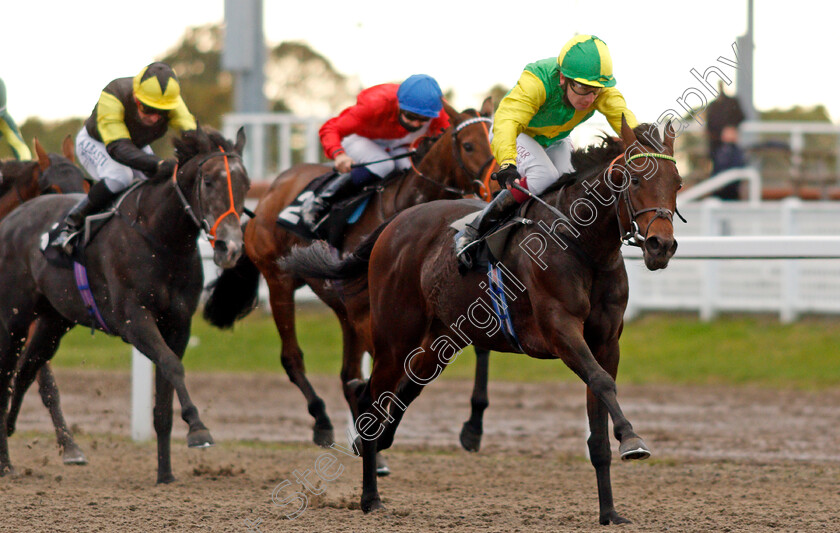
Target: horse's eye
[
  {"x": 634, "y": 180},
  {"x": 468, "y": 147},
  {"x": 208, "y": 182}
]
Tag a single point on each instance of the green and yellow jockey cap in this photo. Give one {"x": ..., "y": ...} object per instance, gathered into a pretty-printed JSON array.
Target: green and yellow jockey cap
[
  {"x": 157, "y": 86},
  {"x": 586, "y": 59}
]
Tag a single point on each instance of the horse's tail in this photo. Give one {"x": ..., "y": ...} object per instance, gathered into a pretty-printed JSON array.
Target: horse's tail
[
  {"x": 233, "y": 294},
  {"x": 319, "y": 260}
]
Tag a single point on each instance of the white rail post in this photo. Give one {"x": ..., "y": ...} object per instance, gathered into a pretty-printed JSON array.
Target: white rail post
[
  {"x": 790, "y": 270},
  {"x": 141, "y": 396},
  {"x": 712, "y": 267}
]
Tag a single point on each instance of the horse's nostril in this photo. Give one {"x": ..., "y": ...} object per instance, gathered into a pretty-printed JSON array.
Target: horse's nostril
[{"x": 652, "y": 244}]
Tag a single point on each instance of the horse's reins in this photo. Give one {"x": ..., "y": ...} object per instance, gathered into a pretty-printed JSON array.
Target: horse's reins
[
  {"x": 200, "y": 222},
  {"x": 633, "y": 236}
]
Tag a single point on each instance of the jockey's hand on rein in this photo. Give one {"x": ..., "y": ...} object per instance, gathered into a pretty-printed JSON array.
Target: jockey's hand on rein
[
  {"x": 506, "y": 174},
  {"x": 165, "y": 168}
]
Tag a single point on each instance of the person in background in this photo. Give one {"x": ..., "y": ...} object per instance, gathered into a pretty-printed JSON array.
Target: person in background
[
  {"x": 10, "y": 131},
  {"x": 728, "y": 155}
]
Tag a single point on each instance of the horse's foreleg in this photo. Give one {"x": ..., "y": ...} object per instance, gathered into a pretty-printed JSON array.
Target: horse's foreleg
[
  {"x": 147, "y": 338},
  {"x": 473, "y": 428},
  {"x": 281, "y": 290},
  {"x": 163, "y": 425},
  {"x": 600, "y": 456}
]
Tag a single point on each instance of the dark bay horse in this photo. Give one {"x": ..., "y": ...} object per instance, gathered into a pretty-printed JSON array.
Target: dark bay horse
[
  {"x": 22, "y": 181},
  {"x": 144, "y": 272},
  {"x": 454, "y": 163},
  {"x": 566, "y": 292}
]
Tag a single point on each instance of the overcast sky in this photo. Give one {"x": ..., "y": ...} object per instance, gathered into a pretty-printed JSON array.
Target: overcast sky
[{"x": 58, "y": 56}]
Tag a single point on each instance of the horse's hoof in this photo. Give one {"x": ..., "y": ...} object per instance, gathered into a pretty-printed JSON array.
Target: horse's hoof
[
  {"x": 166, "y": 479},
  {"x": 199, "y": 438},
  {"x": 382, "y": 469},
  {"x": 373, "y": 505},
  {"x": 470, "y": 440},
  {"x": 634, "y": 448},
  {"x": 356, "y": 386},
  {"x": 73, "y": 455},
  {"x": 7, "y": 470},
  {"x": 324, "y": 438},
  {"x": 613, "y": 518}
]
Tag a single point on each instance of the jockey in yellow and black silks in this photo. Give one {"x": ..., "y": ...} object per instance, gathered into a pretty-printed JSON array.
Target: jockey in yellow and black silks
[
  {"x": 531, "y": 127},
  {"x": 10, "y": 131},
  {"x": 113, "y": 145}
]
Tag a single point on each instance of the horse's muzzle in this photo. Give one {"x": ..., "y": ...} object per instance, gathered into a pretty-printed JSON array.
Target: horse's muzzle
[
  {"x": 658, "y": 251},
  {"x": 226, "y": 253}
]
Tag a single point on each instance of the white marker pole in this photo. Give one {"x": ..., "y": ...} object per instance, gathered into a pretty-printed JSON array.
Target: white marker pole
[{"x": 141, "y": 396}]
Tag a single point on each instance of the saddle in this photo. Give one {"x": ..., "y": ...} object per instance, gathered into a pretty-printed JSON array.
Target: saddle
[
  {"x": 82, "y": 238},
  {"x": 490, "y": 247},
  {"x": 342, "y": 213}
]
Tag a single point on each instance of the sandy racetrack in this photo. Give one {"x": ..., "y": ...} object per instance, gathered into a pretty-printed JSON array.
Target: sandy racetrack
[{"x": 725, "y": 459}]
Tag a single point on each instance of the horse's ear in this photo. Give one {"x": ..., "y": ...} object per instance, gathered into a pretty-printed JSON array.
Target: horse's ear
[
  {"x": 67, "y": 149},
  {"x": 669, "y": 138},
  {"x": 487, "y": 107},
  {"x": 627, "y": 135},
  {"x": 454, "y": 116},
  {"x": 240, "y": 140},
  {"x": 43, "y": 158}
]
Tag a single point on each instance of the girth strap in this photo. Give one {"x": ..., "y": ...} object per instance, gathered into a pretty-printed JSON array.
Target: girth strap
[{"x": 83, "y": 285}]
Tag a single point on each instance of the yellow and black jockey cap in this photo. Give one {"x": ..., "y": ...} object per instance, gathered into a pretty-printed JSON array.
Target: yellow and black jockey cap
[{"x": 157, "y": 86}]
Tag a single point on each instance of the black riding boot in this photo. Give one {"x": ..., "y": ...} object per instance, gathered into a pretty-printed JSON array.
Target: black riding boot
[
  {"x": 495, "y": 211},
  {"x": 314, "y": 208},
  {"x": 98, "y": 197}
]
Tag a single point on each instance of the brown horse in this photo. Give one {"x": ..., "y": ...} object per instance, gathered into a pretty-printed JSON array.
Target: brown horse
[
  {"x": 22, "y": 181},
  {"x": 455, "y": 165},
  {"x": 566, "y": 292}
]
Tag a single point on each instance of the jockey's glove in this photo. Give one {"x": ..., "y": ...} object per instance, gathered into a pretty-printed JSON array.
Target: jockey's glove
[
  {"x": 165, "y": 168},
  {"x": 507, "y": 173}
]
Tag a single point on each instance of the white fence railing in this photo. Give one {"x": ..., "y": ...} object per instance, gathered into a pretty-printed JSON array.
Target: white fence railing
[{"x": 771, "y": 267}]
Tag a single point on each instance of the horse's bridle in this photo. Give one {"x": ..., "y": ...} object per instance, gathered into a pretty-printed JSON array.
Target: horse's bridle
[
  {"x": 200, "y": 222},
  {"x": 633, "y": 236},
  {"x": 477, "y": 177}
]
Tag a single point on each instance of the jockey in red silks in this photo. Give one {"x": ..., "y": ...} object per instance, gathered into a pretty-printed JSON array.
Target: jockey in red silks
[
  {"x": 386, "y": 121},
  {"x": 531, "y": 127}
]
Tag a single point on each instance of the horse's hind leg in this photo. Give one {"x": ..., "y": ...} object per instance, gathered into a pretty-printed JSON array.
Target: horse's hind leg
[
  {"x": 281, "y": 288},
  {"x": 44, "y": 335},
  {"x": 72, "y": 454},
  {"x": 474, "y": 427},
  {"x": 12, "y": 337}
]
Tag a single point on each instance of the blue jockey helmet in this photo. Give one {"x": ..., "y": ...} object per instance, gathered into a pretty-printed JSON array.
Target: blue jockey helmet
[{"x": 420, "y": 94}]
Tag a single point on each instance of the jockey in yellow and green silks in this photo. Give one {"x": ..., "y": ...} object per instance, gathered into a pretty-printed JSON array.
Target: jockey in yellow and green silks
[
  {"x": 10, "y": 131},
  {"x": 531, "y": 127}
]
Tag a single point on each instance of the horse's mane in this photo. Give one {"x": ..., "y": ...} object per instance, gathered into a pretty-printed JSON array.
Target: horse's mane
[
  {"x": 589, "y": 159},
  {"x": 199, "y": 141}
]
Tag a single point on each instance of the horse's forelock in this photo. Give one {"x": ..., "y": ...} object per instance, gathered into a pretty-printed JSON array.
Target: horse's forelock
[{"x": 199, "y": 141}]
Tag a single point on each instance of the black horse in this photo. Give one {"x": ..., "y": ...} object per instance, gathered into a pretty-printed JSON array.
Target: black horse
[{"x": 144, "y": 273}]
